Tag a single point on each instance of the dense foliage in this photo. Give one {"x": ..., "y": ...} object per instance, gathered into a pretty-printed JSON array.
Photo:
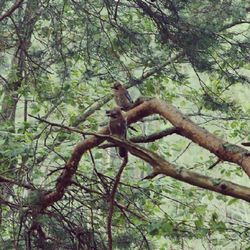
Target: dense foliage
[{"x": 58, "y": 61}]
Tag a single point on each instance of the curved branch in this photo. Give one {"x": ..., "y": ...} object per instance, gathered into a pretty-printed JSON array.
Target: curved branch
[
  {"x": 161, "y": 166},
  {"x": 146, "y": 138},
  {"x": 224, "y": 150}
]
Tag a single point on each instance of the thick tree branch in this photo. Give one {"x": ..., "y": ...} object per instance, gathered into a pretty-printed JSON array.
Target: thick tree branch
[
  {"x": 224, "y": 150},
  {"x": 161, "y": 166}
]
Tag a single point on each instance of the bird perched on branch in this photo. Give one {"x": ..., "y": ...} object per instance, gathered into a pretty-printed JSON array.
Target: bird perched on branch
[
  {"x": 117, "y": 127},
  {"x": 122, "y": 97}
]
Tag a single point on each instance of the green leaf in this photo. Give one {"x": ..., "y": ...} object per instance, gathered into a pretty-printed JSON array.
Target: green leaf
[{"x": 232, "y": 201}]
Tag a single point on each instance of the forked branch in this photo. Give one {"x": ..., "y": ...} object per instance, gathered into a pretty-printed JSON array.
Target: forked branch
[{"x": 224, "y": 150}]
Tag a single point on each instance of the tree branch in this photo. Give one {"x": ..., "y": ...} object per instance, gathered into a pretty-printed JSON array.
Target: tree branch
[
  {"x": 146, "y": 138},
  {"x": 8, "y": 13},
  {"x": 161, "y": 166},
  {"x": 112, "y": 201},
  {"x": 187, "y": 128},
  {"x": 7, "y": 180}
]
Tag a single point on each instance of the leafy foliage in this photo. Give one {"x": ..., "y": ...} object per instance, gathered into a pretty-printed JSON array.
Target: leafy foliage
[{"x": 58, "y": 60}]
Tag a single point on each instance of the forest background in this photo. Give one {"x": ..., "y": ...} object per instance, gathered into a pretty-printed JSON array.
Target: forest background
[{"x": 185, "y": 183}]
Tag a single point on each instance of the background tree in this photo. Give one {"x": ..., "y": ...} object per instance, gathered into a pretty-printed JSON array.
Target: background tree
[{"x": 58, "y": 62}]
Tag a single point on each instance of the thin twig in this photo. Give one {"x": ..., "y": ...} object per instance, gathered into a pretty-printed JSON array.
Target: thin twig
[
  {"x": 215, "y": 163},
  {"x": 11, "y": 10},
  {"x": 112, "y": 201}
]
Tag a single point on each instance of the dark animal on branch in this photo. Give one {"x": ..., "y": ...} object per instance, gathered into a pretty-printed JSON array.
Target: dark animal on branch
[{"x": 117, "y": 127}]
